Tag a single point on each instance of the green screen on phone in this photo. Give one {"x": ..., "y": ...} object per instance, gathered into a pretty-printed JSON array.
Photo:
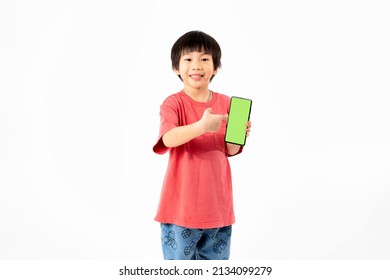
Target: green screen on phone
[{"x": 239, "y": 113}]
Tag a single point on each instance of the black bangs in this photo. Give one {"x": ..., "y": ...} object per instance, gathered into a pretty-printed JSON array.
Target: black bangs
[{"x": 196, "y": 41}]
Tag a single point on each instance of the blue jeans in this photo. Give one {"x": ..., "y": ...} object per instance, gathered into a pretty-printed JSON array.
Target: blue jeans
[{"x": 179, "y": 243}]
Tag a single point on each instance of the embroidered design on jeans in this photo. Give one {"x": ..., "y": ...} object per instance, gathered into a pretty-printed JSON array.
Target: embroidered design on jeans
[
  {"x": 220, "y": 246},
  {"x": 187, "y": 249},
  {"x": 186, "y": 233},
  {"x": 170, "y": 240}
]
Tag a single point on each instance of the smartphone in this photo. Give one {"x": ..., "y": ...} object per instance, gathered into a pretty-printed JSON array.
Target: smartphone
[{"x": 239, "y": 113}]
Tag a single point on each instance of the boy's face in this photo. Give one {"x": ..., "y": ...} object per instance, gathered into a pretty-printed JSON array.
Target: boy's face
[{"x": 196, "y": 69}]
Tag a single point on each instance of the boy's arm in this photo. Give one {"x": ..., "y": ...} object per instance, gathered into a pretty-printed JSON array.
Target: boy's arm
[
  {"x": 232, "y": 149},
  {"x": 182, "y": 134}
]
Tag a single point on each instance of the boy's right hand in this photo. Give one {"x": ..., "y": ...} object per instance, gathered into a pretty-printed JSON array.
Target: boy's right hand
[{"x": 211, "y": 122}]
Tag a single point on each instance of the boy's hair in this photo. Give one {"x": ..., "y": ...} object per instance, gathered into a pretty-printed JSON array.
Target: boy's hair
[{"x": 196, "y": 41}]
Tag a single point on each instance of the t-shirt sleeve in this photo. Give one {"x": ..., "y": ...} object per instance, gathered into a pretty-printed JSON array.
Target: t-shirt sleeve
[{"x": 168, "y": 120}]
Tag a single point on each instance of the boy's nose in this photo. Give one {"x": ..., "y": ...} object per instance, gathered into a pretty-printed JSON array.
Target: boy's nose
[{"x": 196, "y": 66}]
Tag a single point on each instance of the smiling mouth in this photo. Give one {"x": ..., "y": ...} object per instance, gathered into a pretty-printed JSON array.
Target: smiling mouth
[{"x": 196, "y": 76}]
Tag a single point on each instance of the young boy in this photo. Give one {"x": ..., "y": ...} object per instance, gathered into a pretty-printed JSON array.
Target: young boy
[{"x": 196, "y": 204}]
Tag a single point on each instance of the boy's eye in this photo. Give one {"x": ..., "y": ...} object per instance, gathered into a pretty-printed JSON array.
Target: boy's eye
[
  {"x": 205, "y": 59},
  {"x": 187, "y": 59}
]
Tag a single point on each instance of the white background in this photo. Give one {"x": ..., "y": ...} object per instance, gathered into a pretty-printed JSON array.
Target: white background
[{"x": 80, "y": 87}]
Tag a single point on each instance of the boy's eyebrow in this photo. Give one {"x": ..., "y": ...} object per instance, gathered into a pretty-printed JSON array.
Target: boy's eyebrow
[{"x": 189, "y": 53}]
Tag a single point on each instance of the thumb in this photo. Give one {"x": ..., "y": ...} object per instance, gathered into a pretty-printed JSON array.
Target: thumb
[{"x": 225, "y": 117}]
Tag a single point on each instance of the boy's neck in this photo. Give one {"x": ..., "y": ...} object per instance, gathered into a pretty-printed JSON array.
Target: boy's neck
[{"x": 200, "y": 95}]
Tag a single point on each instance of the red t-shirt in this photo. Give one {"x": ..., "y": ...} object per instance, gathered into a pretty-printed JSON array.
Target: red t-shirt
[{"x": 197, "y": 189}]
